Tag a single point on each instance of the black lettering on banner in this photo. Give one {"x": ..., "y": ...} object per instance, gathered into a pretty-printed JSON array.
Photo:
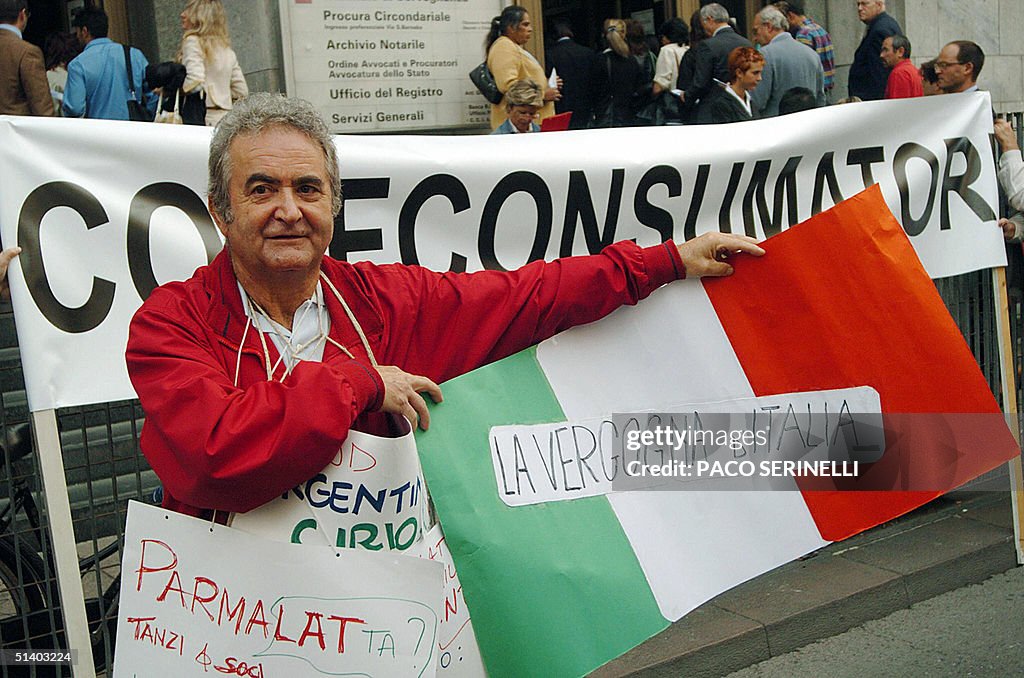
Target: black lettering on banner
[
  {"x": 517, "y": 182},
  {"x": 364, "y": 239},
  {"x": 436, "y": 184},
  {"x": 40, "y": 201},
  {"x": 616, "y": 445},
  {"x": 699, "y": 187},
  {"x": 904, "y": 154},
  {"x": 826, "y": 173},
  {"x": 961, "y": 184},
  {"x": 650, "y": 215},
  {"x": 785, "y": 186},
  {"x": 724, "y": 220},
  {"x": 866, "y": 157},
  {"x": 140, "y": 214},
  {"x": 580, "y": 207}
]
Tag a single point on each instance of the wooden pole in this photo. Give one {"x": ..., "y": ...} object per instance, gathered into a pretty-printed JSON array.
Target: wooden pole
[
  {"x": 1009, "y": 404},
  {"x": 62, "y": 533}
]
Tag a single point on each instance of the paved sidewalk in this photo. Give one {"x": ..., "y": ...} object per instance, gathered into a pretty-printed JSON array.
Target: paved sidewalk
[
  {"x": 963, "y": 538},
  {"x": 977, "y": 630}
]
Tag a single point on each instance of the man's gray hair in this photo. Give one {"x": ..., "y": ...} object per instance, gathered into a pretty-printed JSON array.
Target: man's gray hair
[
  {"x": 715, "y": 12},
  {"x": 773, "y": 17},
  {"x": 254, "y": 114}
]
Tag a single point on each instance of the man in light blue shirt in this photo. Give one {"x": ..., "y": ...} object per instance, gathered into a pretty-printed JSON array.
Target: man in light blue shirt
[{"x": 97, "y": 85}]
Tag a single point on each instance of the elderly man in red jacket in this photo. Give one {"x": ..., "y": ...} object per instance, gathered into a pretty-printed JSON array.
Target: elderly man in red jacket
[{"x": 253, "y": 372}]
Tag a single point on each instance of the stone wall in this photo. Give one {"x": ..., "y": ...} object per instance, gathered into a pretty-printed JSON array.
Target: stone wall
[{"x": 994, "y": 24}]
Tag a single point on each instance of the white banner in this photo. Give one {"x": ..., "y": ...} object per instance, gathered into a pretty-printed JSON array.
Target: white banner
[
  {"x": 388, "y": 65},
  {"x": 199, "y": 598},
  {"x": 107, "y": 210}
]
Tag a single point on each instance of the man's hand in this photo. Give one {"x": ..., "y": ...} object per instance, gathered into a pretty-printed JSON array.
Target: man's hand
[
  {"x": 1005, "y": 135},
  {"x": 402, "y": 395},
  {"x": 1011, "y": 227},
  {"x": 708, "y": 254},
  {"x": 5, "y": 260}
]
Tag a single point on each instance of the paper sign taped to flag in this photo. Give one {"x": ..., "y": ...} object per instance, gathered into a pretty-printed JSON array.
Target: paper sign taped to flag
[{"x": 628, "y": 452}]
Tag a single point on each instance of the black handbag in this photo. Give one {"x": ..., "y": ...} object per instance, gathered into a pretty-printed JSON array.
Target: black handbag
[
  {"x": 484, "y": 81},
  {"x": 136, "y": 109},
  {"x": 662, "y": 109},
  {"x": 193, "y": 108}
]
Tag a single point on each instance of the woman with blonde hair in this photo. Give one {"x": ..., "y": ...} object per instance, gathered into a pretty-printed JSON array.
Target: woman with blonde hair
[
  {"x": 508, "y": 60},
  {"x": 619, "y": 80},
  {"x": 210, "y": 64}
]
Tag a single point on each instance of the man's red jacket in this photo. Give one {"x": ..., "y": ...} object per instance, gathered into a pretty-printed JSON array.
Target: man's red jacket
[
  {"x": 904, "y": 81},
  {"x": 215, "y": 445}
]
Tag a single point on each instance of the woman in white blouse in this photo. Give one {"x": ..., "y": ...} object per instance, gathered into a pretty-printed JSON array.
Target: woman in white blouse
[
  {"x": 674, "y": 36},
  {"x": 210, "y": 64}
]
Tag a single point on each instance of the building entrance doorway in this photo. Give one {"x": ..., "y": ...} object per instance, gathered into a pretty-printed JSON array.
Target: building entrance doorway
[
  {"x": 587, "y": 16},
  {"x": 54, "y": 16}
]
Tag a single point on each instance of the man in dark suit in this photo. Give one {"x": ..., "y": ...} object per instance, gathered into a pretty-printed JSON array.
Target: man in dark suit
[
  {"x": 711, "y": 61},
  {"x": 574, "y": 64},
  {"x": 23, "y": 86},
  {"x": 868, "y": 73}
]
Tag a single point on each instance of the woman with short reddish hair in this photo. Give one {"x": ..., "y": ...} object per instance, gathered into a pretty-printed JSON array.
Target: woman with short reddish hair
[{"x": 745, "y": 67}]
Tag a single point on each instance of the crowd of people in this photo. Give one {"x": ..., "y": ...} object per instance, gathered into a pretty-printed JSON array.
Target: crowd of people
[
  {"x": 85, "y": 74},
  {"x": 704, "y": 72}
]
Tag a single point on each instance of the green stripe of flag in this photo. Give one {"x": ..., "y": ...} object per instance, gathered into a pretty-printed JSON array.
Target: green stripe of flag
[{"x": 553, "y": 589}]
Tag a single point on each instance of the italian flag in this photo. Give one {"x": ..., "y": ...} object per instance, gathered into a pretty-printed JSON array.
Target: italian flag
[{"x": 840, "y": 301}]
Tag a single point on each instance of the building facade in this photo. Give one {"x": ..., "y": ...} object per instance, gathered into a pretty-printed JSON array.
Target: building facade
[{"x": 154, "y": 27}]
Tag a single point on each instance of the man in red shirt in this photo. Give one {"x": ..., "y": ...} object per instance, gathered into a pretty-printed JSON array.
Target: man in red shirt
[{"x": 904, "y": 78}]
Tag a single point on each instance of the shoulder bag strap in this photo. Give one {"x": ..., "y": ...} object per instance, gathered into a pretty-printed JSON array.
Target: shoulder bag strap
[{"x": 128, "y": 67}]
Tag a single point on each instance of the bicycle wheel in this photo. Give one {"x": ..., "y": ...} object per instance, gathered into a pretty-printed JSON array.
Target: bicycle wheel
[{"x": 23, "y": 602}]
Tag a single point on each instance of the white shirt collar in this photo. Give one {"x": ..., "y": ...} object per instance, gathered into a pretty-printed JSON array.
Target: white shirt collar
[
  {"x": 303, "y": 341},
  {"x": 745, "y": 100},
  {"x": 12, "y": 28}
]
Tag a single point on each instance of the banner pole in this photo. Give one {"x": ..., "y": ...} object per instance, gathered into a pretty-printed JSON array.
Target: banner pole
[
  {"x": 62, "y": 533},
  {"x": 1009, "y": 404}
]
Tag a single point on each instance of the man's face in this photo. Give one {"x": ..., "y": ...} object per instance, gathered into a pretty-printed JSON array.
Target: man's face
[
  {"x": 890, "y": 57},
  {"x": 762, "y": 33},
  {"x": 281, "y": 198},
  {"x": 868, "y": 9},
  {"x": 522, "y": 116},
  {"x": 82, "y": 33},
  {"x": 952, "y": 75}
]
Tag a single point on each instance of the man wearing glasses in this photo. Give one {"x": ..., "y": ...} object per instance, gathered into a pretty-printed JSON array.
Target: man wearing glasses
[{"x": 958, "y": 66}]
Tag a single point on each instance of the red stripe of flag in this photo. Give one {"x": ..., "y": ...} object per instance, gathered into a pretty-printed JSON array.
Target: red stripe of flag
[{"x": 795, "y": 332}]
